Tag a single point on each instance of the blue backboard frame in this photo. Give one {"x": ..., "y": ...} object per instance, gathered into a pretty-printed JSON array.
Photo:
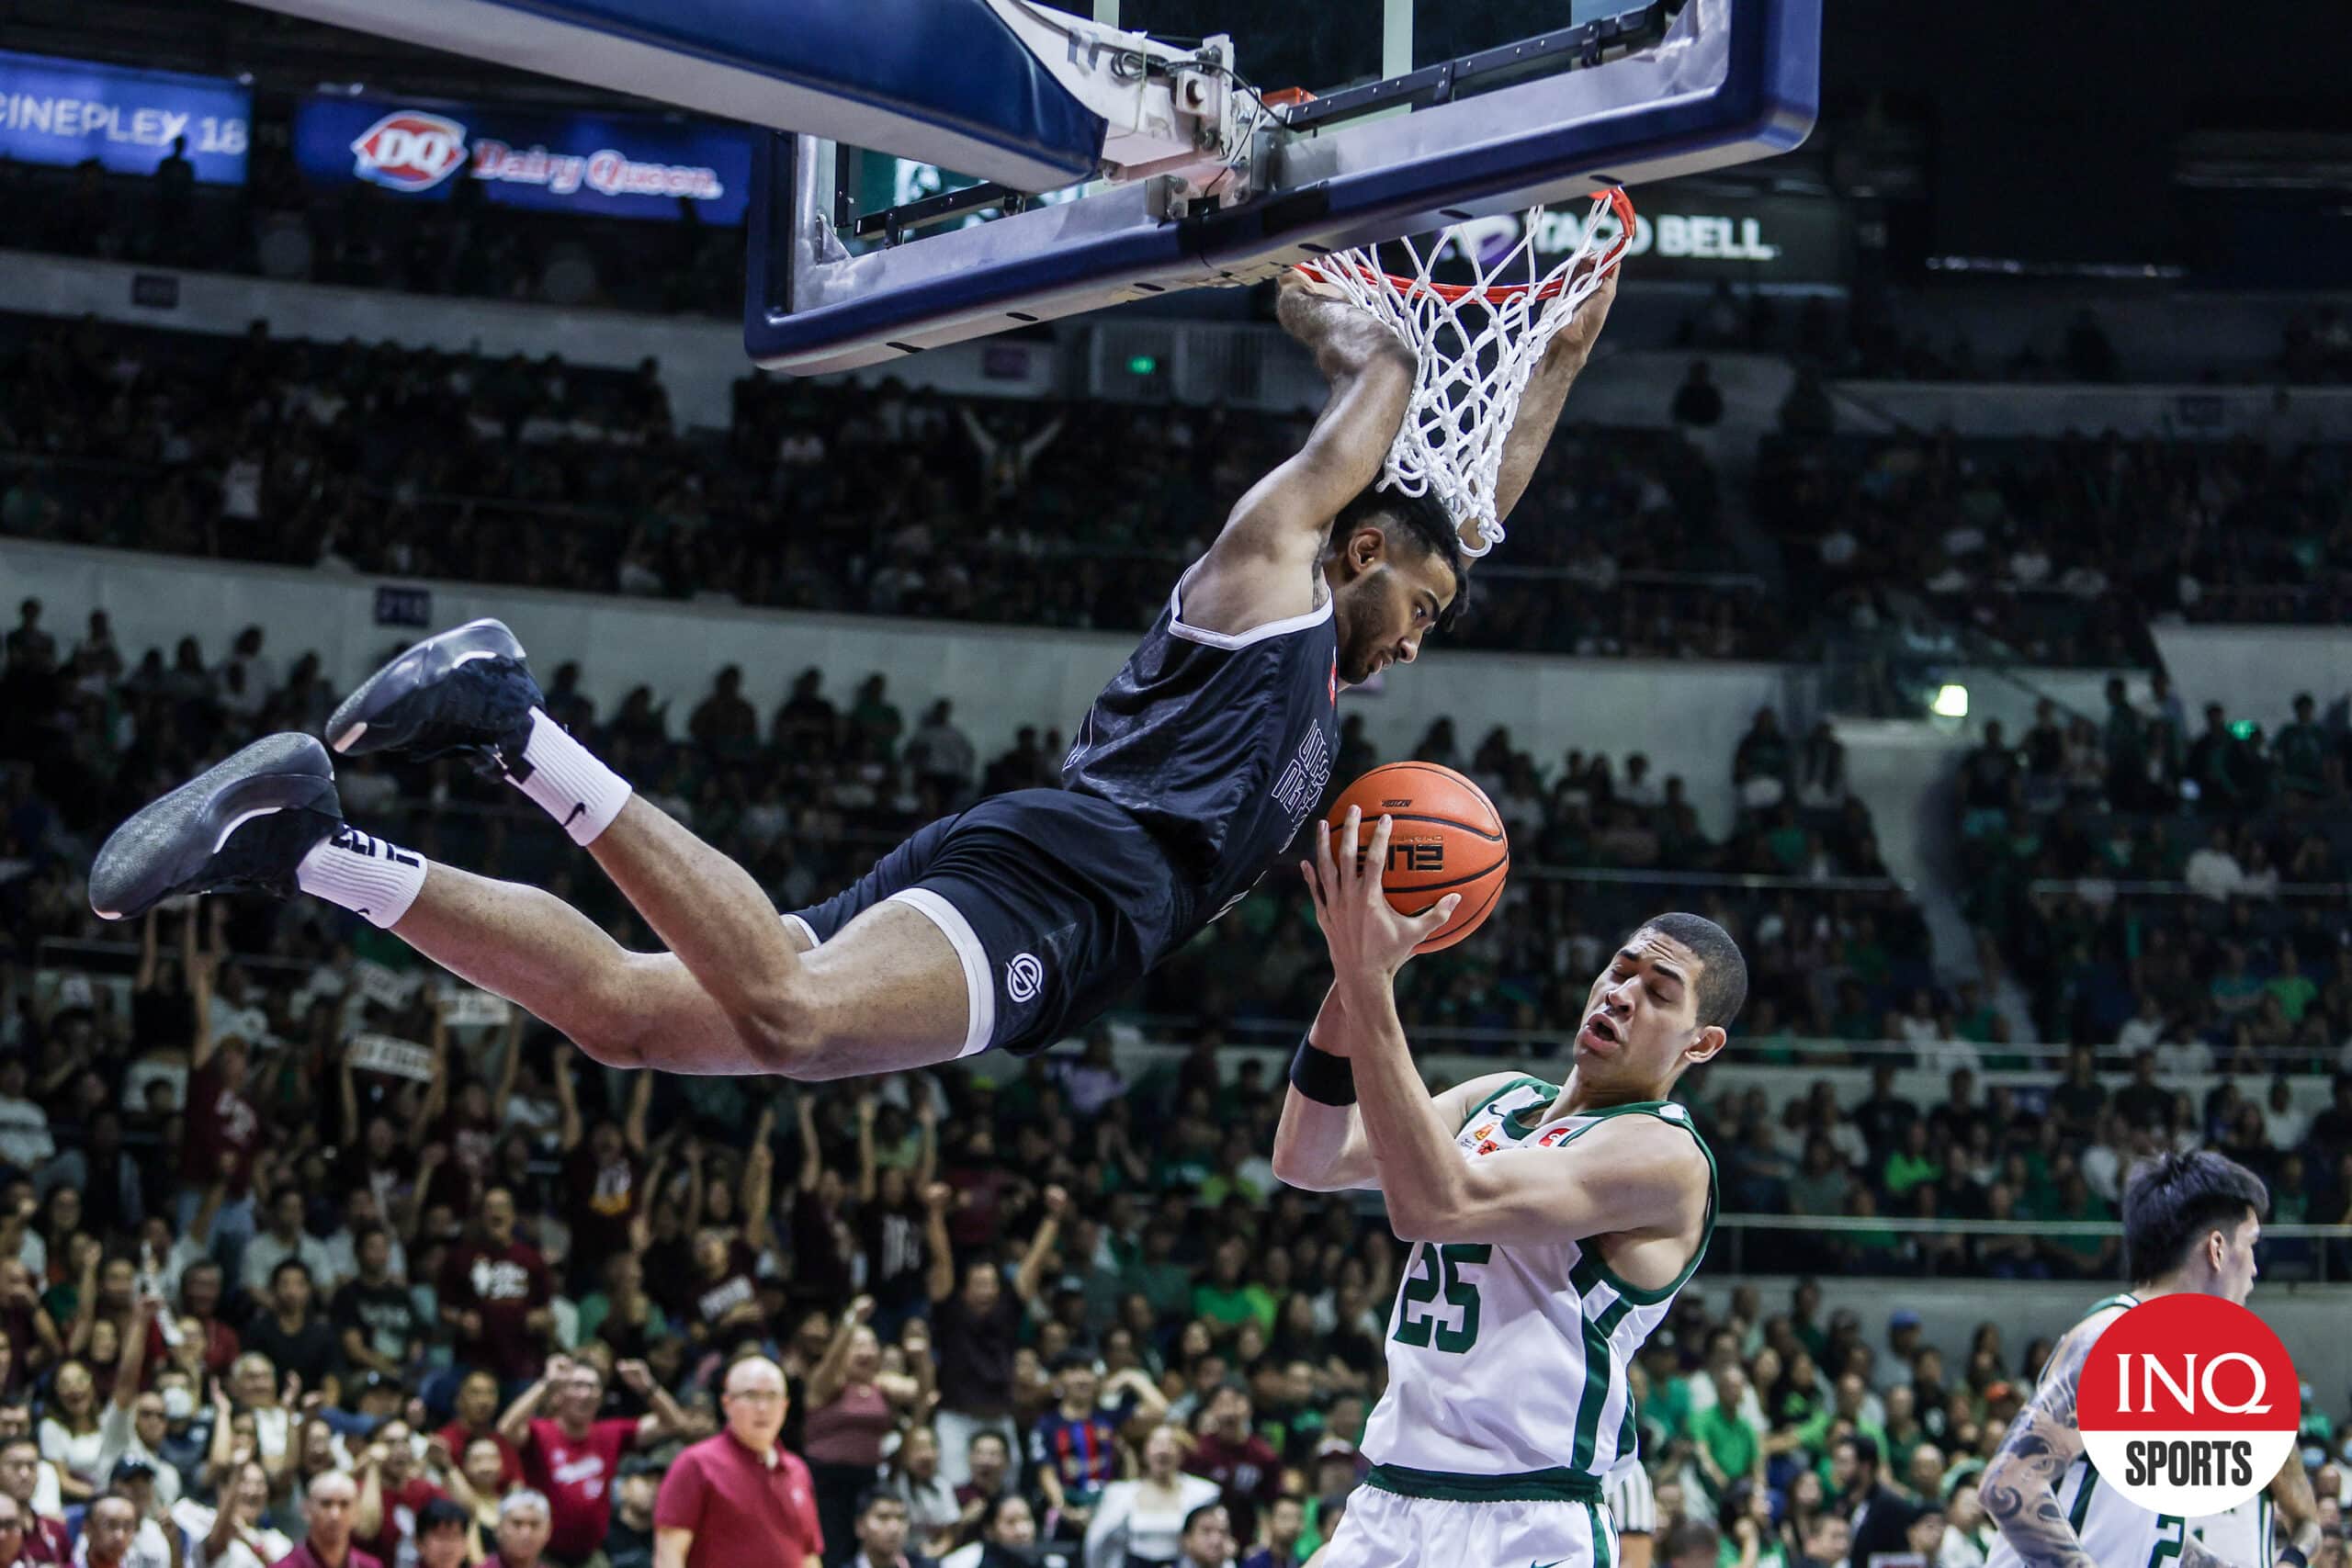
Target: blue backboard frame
[{"x": 1734, "y": 81}]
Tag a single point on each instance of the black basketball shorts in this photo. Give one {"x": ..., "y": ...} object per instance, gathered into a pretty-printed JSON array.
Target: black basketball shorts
[{"x": 1055, "y": 903}]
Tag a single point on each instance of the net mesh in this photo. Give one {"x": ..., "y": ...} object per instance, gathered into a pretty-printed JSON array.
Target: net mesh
[{"x": 1479, "y": 343}]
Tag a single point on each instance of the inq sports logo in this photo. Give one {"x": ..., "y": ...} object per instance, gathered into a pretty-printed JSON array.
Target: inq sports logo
[{"x": 2188, "y": 1405}]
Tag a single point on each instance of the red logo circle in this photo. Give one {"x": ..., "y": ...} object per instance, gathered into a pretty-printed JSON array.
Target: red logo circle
[{"x": 2188, "y": 1405}]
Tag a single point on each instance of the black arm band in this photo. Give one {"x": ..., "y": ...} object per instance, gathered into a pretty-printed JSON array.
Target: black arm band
[
  {"x": 1321, "y": 1076},
  {"x": 2291, "y": 1557}
]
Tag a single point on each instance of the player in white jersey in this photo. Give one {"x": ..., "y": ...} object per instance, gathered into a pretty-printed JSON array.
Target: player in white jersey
[
  {"x": 2250, "y": 1532},
  {"x": 2189, "y": 1223},
  {"x": 1552, "y": 1226}
]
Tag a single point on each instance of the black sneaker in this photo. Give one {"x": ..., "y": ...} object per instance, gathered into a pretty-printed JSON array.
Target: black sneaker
[
  {"x": 244, "y": 823},
  {"x": 465, "y": 691}
]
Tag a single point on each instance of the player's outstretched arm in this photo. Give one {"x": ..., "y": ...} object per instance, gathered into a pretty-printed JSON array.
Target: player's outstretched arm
[
  {"x": 2297, "y": 1506},
  {"x": 1322, "y": 1148},
  {"x": 2021, "y": 1485},
  {"x": 1539, "y": 407},
  {"x": 1260, "y": 568}
]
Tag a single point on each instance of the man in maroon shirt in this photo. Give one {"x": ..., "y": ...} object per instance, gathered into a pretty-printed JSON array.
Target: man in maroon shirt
[
  {"x": 224, "y": 1129},
  {"x": 107, "y": 1531},
  {"x": 329, "y": 1505},
  {"x": 740, "y": 1496},
  {"x": 392, "y": 1493},
  {"x": 1241, "y": 1462},
  {"x": 574, "y": 1458},
  {"x": 13, "y": 1515},
  {"x": 604, "y": 1173},
  {"x": 494, "y": 1295},
  {"x": 46, "y": 1538},
  {"x": 522, "y": 1531}
]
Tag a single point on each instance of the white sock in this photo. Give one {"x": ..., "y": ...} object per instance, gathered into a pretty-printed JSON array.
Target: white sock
[
  {"x": 582, "y": 793},
  {"x": 365, "y": 875}
]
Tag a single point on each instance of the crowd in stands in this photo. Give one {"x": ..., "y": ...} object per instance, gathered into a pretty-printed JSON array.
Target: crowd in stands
[
  {"x": 810, "y": 796},
  {"x": 892, "y": 500},
  {"x": 2155, "y": 881},
  {"x": 835, "y": 498},
  {"x": 2062, "y": 549},
  {"x": 303, "y": 1246},
  {"x": 359, "y": 235},
  {"x": 1877, "y": 338}
]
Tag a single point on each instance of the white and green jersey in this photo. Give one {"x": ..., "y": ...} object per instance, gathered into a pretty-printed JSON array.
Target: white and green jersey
[
  {"x": 1507, "y": 1365},
  {"x": 2115, "y": 1531},
  {"x": 2242, "y": 1536}
]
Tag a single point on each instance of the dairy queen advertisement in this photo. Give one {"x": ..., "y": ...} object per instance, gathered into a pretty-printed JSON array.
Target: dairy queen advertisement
[{"x": 613, "y": 165}]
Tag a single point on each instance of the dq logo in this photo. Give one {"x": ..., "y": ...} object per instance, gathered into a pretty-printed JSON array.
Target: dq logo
[
  {"x": 409, "y": 150},
  {"x": 1023, "y": 976}
]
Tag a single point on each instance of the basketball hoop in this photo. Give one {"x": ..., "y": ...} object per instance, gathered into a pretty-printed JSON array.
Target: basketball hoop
[{"x": 1473, "y": 374}]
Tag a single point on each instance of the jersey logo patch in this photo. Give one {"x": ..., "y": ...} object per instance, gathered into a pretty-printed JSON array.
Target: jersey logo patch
[
  {"x": 1023, "y": 976},
  {"x": 1554, "y": 1136},
  {"x": 1335, "y": 677}
]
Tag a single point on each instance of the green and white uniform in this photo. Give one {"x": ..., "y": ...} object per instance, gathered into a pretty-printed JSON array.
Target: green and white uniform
[
  {"x": 2115, "y": 1531},
  {"x": 1507, "y": 1399},
  {"x": 2242, "y": 1536}
]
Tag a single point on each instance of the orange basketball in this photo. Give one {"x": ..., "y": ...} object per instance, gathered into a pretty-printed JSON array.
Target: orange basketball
[{"x": 1445, "y": 837}]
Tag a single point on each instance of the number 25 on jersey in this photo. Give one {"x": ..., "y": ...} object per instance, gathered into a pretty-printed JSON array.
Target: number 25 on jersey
[{"x": 1434, "y": 1272}]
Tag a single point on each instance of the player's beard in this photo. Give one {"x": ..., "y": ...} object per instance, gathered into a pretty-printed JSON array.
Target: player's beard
[{"x": 1355, "y": 656}]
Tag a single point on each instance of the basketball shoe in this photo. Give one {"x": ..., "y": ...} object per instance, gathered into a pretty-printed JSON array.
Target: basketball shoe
[
  {"x": 244, "y": 823},
  {"x": 465, "y": 691}
]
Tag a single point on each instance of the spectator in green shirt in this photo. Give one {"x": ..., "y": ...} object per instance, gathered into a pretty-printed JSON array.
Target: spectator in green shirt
[
  {"x": 1242, "y": 1171},
  {"x": 1727, "y": 1445},
  {"x": 2079, "y": 1256},
  {"x": 1662, "y": 1397},
  {"x": 1158, "y": 1276},
  {"x": 2299, "y": 751},
  {"x": 1225, "y": 1301},
  {"x": 1842, "y": 1416},
  {"x": 2290, "y": 985},
  {"x": 1911, "y": 1164}
]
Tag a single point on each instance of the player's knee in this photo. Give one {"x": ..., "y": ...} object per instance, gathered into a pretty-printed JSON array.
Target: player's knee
[
  {"x": 616, "y": 1049},
  {"x": 617, "y": 1019},
  {"x": 783, "y": 1028}
]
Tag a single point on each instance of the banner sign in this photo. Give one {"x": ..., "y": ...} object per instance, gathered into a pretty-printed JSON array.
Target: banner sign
[
  {"x": 65, "y": 112},
  {"x": 468, "y": 1007},
  {"x": 1760, "y": 240},
  {"x": 604, "y": 164},
  {"x": 384, "y": 987},
  {"x": 390, "y": 1056}
]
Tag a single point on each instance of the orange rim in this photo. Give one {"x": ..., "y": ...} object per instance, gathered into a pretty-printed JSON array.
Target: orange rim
[{"x": 1493, "y": 293}]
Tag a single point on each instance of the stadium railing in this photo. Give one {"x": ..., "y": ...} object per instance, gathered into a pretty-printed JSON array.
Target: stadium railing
[{"x": 1904, "y": 1245}]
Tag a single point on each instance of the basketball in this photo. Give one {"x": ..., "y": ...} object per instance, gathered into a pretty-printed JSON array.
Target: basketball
[{"x": 1447, "y": 839}]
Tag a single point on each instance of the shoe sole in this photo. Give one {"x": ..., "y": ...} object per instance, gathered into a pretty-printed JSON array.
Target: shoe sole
[
  {"x": 419, "y": 667},
  {"x": 167, "y": 842}
]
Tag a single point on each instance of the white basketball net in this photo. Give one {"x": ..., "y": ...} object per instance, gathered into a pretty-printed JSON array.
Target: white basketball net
[{"x": 1479, "y": 343}]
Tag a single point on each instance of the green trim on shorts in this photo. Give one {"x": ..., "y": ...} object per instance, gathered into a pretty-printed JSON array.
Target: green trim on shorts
[{"x": 1559, "y": 1484}]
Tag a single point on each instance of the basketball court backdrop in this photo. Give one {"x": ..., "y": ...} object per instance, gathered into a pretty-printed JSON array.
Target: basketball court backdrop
[{"x": 1107, "y": 164}]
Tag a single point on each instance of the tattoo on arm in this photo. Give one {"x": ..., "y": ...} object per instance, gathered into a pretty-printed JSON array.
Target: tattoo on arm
[{"x": 2020, "y": 1488}]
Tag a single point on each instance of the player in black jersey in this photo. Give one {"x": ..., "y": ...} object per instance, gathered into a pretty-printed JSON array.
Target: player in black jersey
[{"x": 1009, "y": 924}]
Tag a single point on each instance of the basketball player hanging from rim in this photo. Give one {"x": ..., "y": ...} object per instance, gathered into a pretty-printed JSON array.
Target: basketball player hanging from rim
[
  {"x": 2191, "y": 1222},
  {"x": 1552, "y": 1225},
  {"x": 1009, "y": 925}
]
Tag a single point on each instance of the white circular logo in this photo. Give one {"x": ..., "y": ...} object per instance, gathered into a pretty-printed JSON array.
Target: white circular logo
[
  {"x": 2188, "y": 1405},
  {"x": 1023, "y": 976}
]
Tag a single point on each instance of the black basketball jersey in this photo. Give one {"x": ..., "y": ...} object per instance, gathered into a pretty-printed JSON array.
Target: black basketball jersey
[{"x": 1220, "y": 745}]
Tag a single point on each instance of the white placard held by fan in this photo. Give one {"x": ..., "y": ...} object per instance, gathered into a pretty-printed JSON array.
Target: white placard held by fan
[{"x": 393, "y": 1057}]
